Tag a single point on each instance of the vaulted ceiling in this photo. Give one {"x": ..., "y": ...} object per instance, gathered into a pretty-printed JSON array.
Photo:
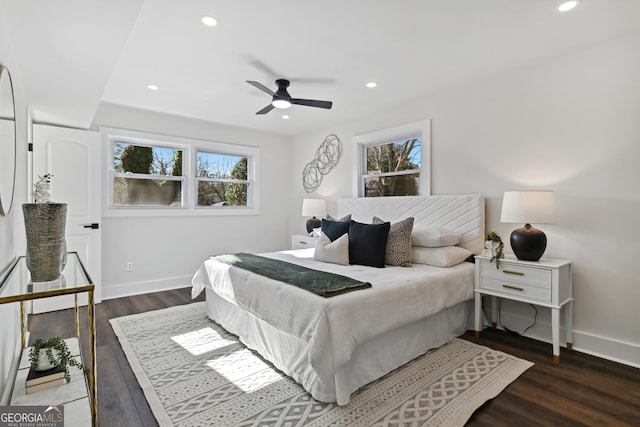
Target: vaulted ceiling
[{"x": 74, "y": 55}]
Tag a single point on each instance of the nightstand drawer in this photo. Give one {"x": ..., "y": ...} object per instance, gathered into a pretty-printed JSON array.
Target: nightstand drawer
[
  {"x": 299, "y": 241},
  {"x": 525, "y": 290},
  {"x": 518, "y": 273}
]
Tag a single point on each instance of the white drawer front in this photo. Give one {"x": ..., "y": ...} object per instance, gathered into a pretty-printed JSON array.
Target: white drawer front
[
  {"x": 303, "y": 242},
  {"x": 519, "y": 289},
  {"x": 511, "y": 272}
]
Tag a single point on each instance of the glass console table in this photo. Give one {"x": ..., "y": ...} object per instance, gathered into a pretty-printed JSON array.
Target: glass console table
[{"x": 16, "y": 286}]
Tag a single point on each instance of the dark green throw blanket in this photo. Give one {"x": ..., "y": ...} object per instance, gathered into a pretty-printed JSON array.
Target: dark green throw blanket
[{"x": 319, "y": 282}]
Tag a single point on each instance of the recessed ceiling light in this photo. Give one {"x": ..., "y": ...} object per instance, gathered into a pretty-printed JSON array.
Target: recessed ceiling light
[
  {"x": 153, "y": 87},
  {"x": 209, "y": 21},
  {"x": 567, "y": 5},
  {"x": 284, "y": 116},
  {"x": 372, "y": 84}
]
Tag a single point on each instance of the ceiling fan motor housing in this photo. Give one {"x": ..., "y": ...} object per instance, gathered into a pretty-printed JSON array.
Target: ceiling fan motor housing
[{"x": 281, "y": 98}]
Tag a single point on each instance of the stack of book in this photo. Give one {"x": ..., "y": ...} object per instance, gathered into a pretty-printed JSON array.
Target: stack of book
[{"x": 42, "y": 380}]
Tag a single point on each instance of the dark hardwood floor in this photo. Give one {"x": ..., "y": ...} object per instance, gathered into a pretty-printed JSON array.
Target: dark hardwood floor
[{"x": 581, "y": 391}]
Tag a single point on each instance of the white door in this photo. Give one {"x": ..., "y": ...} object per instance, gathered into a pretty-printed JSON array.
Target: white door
[{"x": 73, "y": 158}]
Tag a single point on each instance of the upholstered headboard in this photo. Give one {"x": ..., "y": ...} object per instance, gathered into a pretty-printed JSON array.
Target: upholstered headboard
[{"x": 464, "y": 213}]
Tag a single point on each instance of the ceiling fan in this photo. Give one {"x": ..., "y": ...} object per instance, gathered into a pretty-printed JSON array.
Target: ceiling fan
[{"x": 282, "y": 99}]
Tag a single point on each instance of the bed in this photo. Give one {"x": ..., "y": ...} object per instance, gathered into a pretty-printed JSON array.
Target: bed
[{"x": 333, "y": 346}]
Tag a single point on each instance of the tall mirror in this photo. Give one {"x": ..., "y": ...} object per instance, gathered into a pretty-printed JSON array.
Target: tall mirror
[{"x": 7, "y": 141}]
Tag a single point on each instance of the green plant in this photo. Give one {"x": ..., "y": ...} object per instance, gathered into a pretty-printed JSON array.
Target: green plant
[
  {"x": 494, "y": 237},
  {"x": 62, "y": 360}
]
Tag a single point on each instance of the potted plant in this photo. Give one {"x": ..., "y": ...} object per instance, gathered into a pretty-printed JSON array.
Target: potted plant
[
  {"x": 54, "y": 352},
  {"x": 495, "y": 247}
]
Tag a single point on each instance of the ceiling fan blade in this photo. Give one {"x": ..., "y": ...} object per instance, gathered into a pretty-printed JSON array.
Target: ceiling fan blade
[
  {"x": 312, "y": 103},
  {"x": 266, "y": 109},
  {"x": 261, "y": 87}
]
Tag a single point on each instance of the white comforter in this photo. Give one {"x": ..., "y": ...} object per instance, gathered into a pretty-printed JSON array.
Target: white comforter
[{"x": 333, "y": 327}]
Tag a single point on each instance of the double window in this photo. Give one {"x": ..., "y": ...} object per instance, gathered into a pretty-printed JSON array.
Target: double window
[
  {"x": 164, "y": 175},
  {"x": 394, "y": 162}
]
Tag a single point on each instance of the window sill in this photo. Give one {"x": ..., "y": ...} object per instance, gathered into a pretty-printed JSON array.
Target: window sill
[{"x": 154, "y": 211}]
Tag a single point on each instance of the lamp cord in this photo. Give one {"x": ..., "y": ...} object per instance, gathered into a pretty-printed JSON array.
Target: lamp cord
[{"x": 535, "y": 316}]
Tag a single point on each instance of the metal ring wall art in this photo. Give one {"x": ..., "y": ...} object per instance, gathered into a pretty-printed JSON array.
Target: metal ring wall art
[{"x": 327, "y": 156}]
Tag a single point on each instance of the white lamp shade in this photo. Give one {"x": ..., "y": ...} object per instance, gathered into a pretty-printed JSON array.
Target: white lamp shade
[
  {"x": 314, "y": 207},
  {"x": 535, "y": 207}
]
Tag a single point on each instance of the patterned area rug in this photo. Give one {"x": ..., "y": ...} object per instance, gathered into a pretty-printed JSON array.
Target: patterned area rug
[{"x": 194, "y": 373}]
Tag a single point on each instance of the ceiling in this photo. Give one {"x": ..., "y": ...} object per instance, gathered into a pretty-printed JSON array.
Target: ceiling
[{"x": 74, "y": 55}]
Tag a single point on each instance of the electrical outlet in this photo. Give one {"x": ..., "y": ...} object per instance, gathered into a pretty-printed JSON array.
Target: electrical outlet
[{"x": 129, "y": 266}]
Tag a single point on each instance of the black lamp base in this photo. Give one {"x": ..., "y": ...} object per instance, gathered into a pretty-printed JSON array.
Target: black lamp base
[
  {"x": 528, "y": 243},
  {"x": 313, "y": 223}
]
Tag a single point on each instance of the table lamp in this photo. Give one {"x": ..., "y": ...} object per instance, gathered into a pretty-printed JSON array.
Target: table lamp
[
  {"x": 314, "y": 208},
  {"x": 528, "y": 243}
]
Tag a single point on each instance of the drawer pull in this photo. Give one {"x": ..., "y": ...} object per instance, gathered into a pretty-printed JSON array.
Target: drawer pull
[
  {"x": 302, "y": 243},
  {"x": 515, "y": 288},
  {"x": 517, "y": 273}
]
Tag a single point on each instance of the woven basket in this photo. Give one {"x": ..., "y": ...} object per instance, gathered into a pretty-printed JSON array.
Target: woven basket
[{"x": 46, "y": 243}]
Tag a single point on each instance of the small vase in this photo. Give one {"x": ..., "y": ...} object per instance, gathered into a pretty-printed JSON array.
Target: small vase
[
  {"x": 45, "y": 225},
  {"x": 43, "y": 360},
  {"x": 491, "y": 248}
]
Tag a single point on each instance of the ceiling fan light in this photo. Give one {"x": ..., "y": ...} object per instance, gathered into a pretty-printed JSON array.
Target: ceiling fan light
[{"x": 281, "y": 103}]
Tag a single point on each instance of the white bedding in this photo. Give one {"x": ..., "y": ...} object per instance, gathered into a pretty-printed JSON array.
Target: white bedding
[{"x": 334, "y": 327}]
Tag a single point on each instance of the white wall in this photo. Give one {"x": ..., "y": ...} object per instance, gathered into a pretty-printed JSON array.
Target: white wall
[
  {"x": 569, "y": 124},
  {"x": 167, "y": 251},
  {"x": 11, "y": 226}
]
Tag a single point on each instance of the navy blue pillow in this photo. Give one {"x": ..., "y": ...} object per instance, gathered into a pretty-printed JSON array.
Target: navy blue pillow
[
  {"x": 368, "y": 243},
  {"x": 334, "y": 229}
]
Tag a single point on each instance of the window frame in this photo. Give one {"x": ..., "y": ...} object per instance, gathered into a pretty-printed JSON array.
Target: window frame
[
  {"x": 420, "y": 129},
  {"x": 190, "y": 149}
]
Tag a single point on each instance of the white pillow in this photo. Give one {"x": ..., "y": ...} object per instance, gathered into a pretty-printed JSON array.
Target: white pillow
[
  {"x": 445, "y": 256},
  {"x": 336, "y": 252},
  {"x": 435, "y": 237}
]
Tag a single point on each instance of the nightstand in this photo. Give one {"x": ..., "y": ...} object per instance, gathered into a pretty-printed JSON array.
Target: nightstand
[
  {"x": 303, "y": 241},
  {"x": 546, "y": 283}
]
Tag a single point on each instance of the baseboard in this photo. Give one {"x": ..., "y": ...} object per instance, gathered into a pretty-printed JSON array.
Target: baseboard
[
  {"x": 136, "y": 288},
  {"x": 604, "y": 347}
]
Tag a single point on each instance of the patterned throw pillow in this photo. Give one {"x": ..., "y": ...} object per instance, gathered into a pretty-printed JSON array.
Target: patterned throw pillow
[{"x": 398, "y": 251}]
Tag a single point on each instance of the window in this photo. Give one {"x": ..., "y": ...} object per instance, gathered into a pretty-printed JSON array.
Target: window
[
  {"x": 147, "y": 175},
  {"x": 393, "y": 169},
  {"x": 394, "y": 162},
  {"x": 222, "y": 179},
  {"x": 155, "y": 175}
]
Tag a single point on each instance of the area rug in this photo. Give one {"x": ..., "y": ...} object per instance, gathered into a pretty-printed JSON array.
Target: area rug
[{"x": 194, "y": 373}]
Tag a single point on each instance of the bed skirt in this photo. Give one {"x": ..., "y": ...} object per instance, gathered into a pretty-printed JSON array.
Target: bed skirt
[{"x": 369, "y": 361}]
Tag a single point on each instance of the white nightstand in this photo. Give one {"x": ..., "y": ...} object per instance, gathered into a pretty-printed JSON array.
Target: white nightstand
[
  {"x": 546, "y": 283},
  {"x": 302, "y": 241}
]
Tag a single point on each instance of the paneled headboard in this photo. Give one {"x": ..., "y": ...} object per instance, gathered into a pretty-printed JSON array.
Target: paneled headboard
[{"x": 464, "y": 213}]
